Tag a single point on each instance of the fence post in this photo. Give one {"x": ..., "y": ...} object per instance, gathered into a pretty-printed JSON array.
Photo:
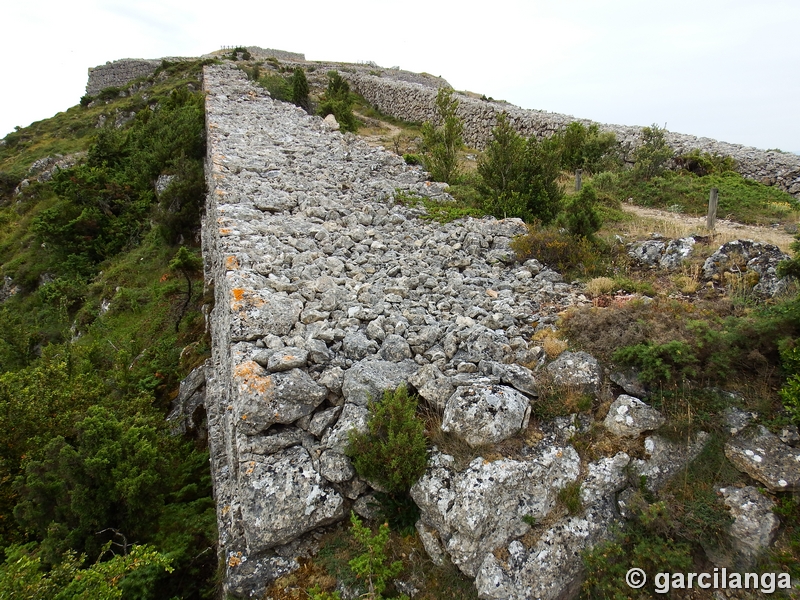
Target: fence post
[
  {"x": 578, "y": 173},
  {"x": 713, "y": 198}
]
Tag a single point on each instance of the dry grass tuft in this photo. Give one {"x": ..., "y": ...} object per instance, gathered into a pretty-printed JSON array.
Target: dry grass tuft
[{"x": 599, "y": 286}]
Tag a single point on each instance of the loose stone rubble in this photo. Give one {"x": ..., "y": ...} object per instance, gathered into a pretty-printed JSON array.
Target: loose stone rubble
[{"x": 328, "y": 293}]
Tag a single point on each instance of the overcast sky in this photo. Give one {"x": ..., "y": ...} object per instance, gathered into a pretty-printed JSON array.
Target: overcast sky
[{"x": 722, "y": 69}]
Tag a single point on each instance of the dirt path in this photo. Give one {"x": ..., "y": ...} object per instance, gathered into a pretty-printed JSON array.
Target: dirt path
[
  {"x": 678, "y": 224},
  {"x": 386, "y": 131}
]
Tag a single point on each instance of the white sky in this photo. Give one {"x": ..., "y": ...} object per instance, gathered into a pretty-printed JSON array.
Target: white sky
[{"x": 729, "y": 70}]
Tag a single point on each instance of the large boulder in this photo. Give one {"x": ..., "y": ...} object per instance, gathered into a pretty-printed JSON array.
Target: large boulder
[
  {"x": 576, "y": 369},
  {"x": 485, "y": 414},
  {"x": 754, "y": 526},
  {"x": 552, "y": 568},
  {"x": 666, "y": 458},
  {"x": 741, "y": 256},
  {"x": 629, "y": 417},
  {"x": 283, "y": 496},
  {"x": 368, "y": 379},
  {"x": 262, "y": 399},
  {"x": 486, "y": 505},
  {"x": 760, "y": 454}
]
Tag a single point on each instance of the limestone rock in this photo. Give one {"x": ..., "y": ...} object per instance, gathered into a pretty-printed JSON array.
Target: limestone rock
[
  {"x": 395, "y": 348},
  {"x": 629, "y": 417},
  {"x": 263, "y": 399},
  {"x": 336, "y": 467},
  {"x": 628, "y": 380},
  {"x": 282, "y": 497},
  {"x": 576, "y": 369},
  {"x": 188, "y": 408},
  {"x": 482, "y": 507},
  {"x": 485, "y": 414},
  {"x": 760, "y": 454},
  {"x": 666, "y": 458},
  {"x": 353, "y": 417},
  {"x": 552, "y": 568},
  {"x": 433, "y": 386},
  {"x": 746, "y": 255},
  {"x": 517, "y": 376},
  {"x": 755, "y": 525},
  {"x": 286, "y": 359},
  {"x": 370, "y": 378}
]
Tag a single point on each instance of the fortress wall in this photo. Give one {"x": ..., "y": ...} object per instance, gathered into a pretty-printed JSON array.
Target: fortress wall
[
  {"x": 326, "y": 294},
  {"x": 414, "y": 102}
]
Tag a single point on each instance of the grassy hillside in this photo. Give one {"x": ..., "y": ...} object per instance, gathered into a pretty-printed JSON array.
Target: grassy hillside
[{"x": 98, "y": 329}]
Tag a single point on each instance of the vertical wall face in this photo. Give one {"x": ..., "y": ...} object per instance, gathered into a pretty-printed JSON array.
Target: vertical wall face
[
  {"x": 414, "y": 102},
  {"x": 118, "y": 73}
]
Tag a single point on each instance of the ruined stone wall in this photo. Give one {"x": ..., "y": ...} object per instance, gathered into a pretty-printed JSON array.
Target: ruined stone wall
[
  {"x": 413, "y": 102},
  {"x": 327, "y": 293},
  {"x": 119, "y": 73}
]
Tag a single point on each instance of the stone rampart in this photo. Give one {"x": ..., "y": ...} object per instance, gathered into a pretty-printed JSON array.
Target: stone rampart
[
  {"x": 414, "y": 102},
  {"x": 326, "y": 293},
  {"x": 119, "y": 73}
]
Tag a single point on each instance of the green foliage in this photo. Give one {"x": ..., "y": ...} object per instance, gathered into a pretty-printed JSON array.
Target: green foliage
[
  {"x": 393, "y": 450},
  {"x": 650, "y": 158},
  {"x": 570, "y": 497},
  {"x": 300, "y": 89},
  {"x": 22, "y": 576},
  {"x": 561, "y": 251},
  {"x": 245, "y": 53},
  {"x": 704, "y": 163},
  {"x": 373, "y": 567},
  {"x": 791, "y": 267},
  {"x": 659, "y": 363},
  {"x": 277, "y": 85},
  {"x": 519, "y": 178},
  {"x": 441, "y": 143},
  {"x": 580, "y": 213},
  {"x": 410, "y": 159},
  {"x": 587, "y": 148},
  {"x": 338, "y": 101}
]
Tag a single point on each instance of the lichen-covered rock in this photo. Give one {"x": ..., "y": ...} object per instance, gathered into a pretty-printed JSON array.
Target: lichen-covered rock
[
  {"x": 760, "y": 454},
  {"x": 188, "y": 408},
  {"x": 283, "y": 496},
  {"x": 754, "y": 526},
  {"x": 517, "y": 376},
  {"x": 482, "y": 507},
  {"x": 648, "y": 252},
  {"x": 746, "y": 255},
  {"x": 666, "y": 458},
  {"x": 629, "y": 417},
  {"x": 263, "y": 399},
  {"x": 433, "y": 386},
  {"x": 353, "y": 418},
  {"x": 485, "y": 414},
  {"x": 286, "y": 359},
  {"x": 576, "y": 369},
  {"x": 628, "y": 380},
  {"x": 552, "y": 568},
  {"x": 368, "y": 379}
]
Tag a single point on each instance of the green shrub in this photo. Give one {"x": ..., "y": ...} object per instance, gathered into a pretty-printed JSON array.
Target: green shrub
[
  {"x": 338, "y": 101},
  {"x": 411, "y": 159},
  {"x": 300, "y": 89},
  {"x": 704, "y": 163},
  {"x": 441, "y": 143},
  {"x": 650, "y": 158},
  {"x": 580, "y": 214},
  {"x": 277, "y": 86},
  {"x": 561, "y": 251},
  {"x": 519, "y": 178},
  {"x": 587, "y": 148},
  {"x": 373, "y": 566},
  {"x": 659, "y": 363},
  {"x": 570, "y": 497}
]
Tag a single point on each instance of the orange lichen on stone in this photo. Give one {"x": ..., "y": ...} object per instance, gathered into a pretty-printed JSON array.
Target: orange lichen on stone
[
  {"x": 231, "y": 263},
  {"x": 238, "y": 294},
  {"x": 224, "y": 231},
  {"x": 249, "y": 378}
]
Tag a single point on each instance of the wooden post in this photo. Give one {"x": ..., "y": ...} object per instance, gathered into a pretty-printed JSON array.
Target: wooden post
[
  {"x": 712, "y": 209},
  {"x": 578, "y": 173}
]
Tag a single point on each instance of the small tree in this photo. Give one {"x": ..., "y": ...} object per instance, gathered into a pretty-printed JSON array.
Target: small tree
[
  {"x": 441, "y": 143},
  {"x": 338, "y": 102},
  {"x": 652, "y": 155},
  {"x": 373, "y": 566},
  {"x": 580, "y": 214},
  {"x": 187, "y": 263},
  {"x": 300, "y": 89}
]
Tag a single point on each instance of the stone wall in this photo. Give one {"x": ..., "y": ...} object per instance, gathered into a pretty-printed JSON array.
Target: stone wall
[
  {"x": 413, "y": 102},
  {"x": 119, "y": 73},
  {"x": 327, "y": 293},
  {"x": 279, "y": 54}
]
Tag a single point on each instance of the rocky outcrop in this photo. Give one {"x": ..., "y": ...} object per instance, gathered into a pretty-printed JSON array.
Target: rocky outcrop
[
  {"x": 628, "y": 417},
  {"x": 754, "y": 526},
  {"x": 749, "y": 264},
  {"x": 762, "y": 455}
]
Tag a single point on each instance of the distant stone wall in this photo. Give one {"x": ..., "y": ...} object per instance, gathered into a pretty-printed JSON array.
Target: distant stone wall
[
  {"x": 279, "y": 54},
  {"x": 119, "y": 73},
  {"x": 414, "y": 102}
]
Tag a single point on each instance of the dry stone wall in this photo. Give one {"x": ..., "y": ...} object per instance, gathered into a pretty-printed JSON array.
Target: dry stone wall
[
  {"x": 327, "y": 293},
  {"x": 119, "y": 73},
  {"x": 414, "y": 102}
]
